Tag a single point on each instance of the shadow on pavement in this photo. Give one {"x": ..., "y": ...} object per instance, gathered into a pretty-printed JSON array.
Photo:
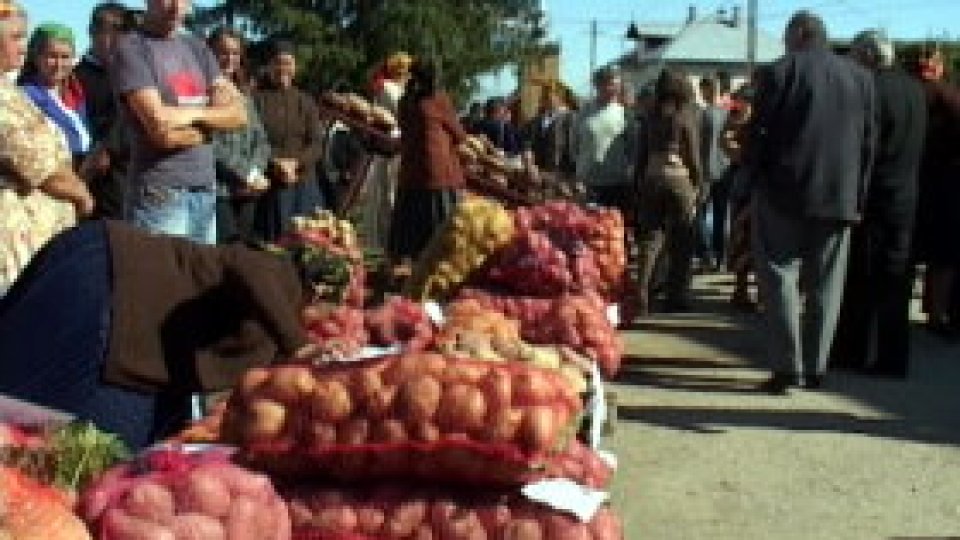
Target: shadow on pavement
[
  {"x": 924, "y": 408},
  {"x": 709, "y": 420}
]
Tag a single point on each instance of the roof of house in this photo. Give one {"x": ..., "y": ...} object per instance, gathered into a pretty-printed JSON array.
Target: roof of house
[{"x": 709, "y": 40}]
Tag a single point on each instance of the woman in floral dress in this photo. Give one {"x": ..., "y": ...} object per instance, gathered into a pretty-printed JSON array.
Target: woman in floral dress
[{"x": 40, "y": 195}]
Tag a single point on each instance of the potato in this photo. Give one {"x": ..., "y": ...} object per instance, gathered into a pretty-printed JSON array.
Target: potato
[
  {"x": 562, "y": 527},
  {"x": 498, "y": 389},
  {"x": 606, "y": 526},
  {"x": 119, "y": 525},
  {"x": 243, "y": 483},
  {"x": 323, "y": 434},
  {"x": 502, "y": 425},
  {"x": 405, "y": 519},
  {"x": 389, "y": 431},
  {"x": 290, "y": 384},
  {"x": 300, "y": 513},
  {"x": 370, "y": 520},
  {"x": 463, "y": 525},
  {"x": 197, "y": 527},
  {"x": 265, "y": 419},
  {"x": 340, "y": 519},
  {"x": 463, "y": 408},
  {"x": 364, "y": 384},
  {"x": 150, "y": 501},
  {"x": 419, "y": 398},
  {"x": 538, "y": 430},
  {"x": 380, "y": 403},
  {"x": 533, "y": 387},
  {"x": 330, "y": 402},
  {"x": 241, "y": 519},
  {"x": 494, "y": 517},
  {"x": 202, "y": 492},
  {"x": 354, "y": 431},
  {"x": 425, "y": 432},
  {"x": 423, "y": 532},
  {"x": 523, "y": 529}
]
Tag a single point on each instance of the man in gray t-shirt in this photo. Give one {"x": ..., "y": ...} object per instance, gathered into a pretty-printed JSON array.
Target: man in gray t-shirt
[{"x": 171, "y": 95}]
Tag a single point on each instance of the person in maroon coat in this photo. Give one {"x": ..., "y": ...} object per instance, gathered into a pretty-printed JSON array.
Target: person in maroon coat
[{"x": 430, "y": 173}]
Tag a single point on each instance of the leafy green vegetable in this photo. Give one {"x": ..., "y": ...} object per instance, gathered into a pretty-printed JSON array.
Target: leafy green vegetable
[{"x": 82, "y": 452}]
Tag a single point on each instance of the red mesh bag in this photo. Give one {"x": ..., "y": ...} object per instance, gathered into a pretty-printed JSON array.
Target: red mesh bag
[
  {"x": 578, "y": 321},
  {"x": 30, "y": 510},
  {"x": 397, "y": 513},
  {"x": 177, "y": 496},
  {"x": 561, "y": 247},
  {"x": 419, "y": 415}
]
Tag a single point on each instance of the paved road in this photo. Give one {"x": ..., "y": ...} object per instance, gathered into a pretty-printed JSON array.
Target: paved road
[{"x": 704, "y": 456}]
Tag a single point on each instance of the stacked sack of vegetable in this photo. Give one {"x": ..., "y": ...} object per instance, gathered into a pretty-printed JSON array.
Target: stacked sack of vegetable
[
  {"x": 329, "y": 247},
  {"x": 172, "y": 495},
  {"x": 577, "y": 321},
  {"x": 392, "y": 512},
  {"x": 561, "y": 247},
  {"x": 418, "y": 415},
  {"x": 345, "y": 330},
  {"x": 477, "y": 229}
]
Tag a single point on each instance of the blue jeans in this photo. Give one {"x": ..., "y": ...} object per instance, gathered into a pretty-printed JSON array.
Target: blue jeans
[{"x": 177, "y": 211}]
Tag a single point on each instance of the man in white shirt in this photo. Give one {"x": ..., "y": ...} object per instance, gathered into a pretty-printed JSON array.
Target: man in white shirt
[{"x": 603, "y": 143}]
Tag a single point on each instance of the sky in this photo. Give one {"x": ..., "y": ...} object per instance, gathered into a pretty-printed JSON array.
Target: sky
[{"x": 569, "y": 23}]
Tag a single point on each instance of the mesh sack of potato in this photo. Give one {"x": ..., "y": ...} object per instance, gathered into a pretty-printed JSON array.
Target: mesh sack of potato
[
  {"x": 171, "y": 495},
  {"x": 419, "y": 415},
  {"x": 477, "y": 228},
  {"x": 405, "y": 513}
]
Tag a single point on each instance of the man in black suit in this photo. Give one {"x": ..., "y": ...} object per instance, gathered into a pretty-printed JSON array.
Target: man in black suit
[
  {"x": 813, "y": 146},
  {"x": 874, "y": 329}
]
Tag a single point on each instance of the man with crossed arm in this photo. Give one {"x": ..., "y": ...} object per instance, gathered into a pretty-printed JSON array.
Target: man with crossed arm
[{"x": 172, "y": 94}]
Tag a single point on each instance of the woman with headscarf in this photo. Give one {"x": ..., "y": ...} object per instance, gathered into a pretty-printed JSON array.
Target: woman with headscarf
[
  {"x": 430, "y": 172},
  {"x": 937, "y": 242},
  {"x": 241, "y": 156},
  {"x": 40, "y": 194},
  {"x": 292, "y": 123},
  {"x": 48, "y": 79},
  {"x": 388, "y": 86}
]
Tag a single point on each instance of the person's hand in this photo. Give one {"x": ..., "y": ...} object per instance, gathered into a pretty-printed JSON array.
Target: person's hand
[
  {"x": 96, "y": 164},
  {"x": 84, "y": 202},
  {"x": 286, "y": 170}
]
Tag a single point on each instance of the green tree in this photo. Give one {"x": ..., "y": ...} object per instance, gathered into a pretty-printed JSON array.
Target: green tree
[{"x": 344, "y": 40}]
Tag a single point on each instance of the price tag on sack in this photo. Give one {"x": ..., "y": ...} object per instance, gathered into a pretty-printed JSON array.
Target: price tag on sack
[
  {"x": 613, "y": 314},
  {"x": 597, "y": 406},
  {"x": 567, "y": 496},
  {"x": 435, "y": 312}
]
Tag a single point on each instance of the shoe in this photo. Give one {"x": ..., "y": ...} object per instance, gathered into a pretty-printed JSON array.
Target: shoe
[{"x": 778, "y": 384}]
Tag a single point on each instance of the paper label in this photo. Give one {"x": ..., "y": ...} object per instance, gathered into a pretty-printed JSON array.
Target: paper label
[
  {"x": 435, "y": 312},
  {"x": 597, "y": 406},
  {"x": 567, "y": 496},
  {"x": 613, "y": 314}
]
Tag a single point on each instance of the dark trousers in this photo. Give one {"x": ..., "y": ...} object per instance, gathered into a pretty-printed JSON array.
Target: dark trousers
[
  {"x": 799, "y": 329},
  {"x": 874, "y": 326},
  {"x": 54, "y": 332},
  {"x": 666, "y": 215},
  {"x": 713, "y": 238},
  {"x": 236, "y": 217}
]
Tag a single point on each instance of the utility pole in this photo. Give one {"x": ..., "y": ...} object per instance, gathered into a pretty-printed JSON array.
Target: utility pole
[
  {"x": 593, "y": 47},
  {"x": 751, "y": 35}
]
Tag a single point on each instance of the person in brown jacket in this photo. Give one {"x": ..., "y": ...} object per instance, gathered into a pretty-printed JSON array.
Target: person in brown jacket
[
  {"x": 118, "y": 326},
  {"x": 430, "y": 173},
  {"x": 669, "y": 178}
]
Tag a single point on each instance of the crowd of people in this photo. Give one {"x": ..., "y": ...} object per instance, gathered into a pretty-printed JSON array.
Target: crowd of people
[{"x": 830, "y": 177}]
